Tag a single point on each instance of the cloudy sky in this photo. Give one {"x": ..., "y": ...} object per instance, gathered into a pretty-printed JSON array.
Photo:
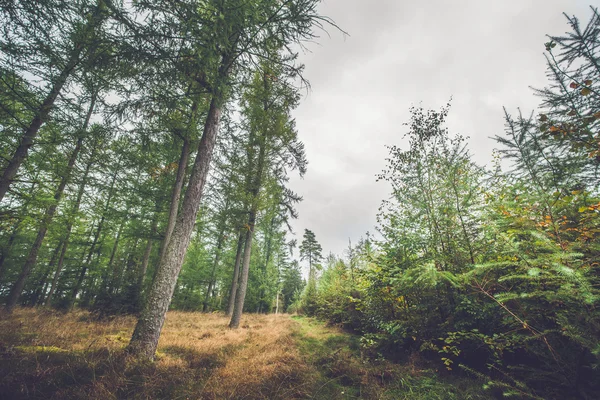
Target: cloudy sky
[{"x": 485, "y": 54}]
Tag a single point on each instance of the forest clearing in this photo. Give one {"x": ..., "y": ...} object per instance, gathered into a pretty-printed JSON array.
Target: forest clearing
[
  {"x": 50, "y": 355},
  {"x": 299, "y": 199}
]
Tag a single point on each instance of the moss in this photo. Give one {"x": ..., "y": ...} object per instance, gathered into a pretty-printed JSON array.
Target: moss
[{"x": 40, "y": 349}]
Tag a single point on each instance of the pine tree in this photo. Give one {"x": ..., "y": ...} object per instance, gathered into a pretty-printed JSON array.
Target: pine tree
[{"x": 310, "y": 251}]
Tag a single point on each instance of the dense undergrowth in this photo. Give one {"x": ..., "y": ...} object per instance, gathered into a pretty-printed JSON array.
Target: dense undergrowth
[{"x": 492, "y": 272}]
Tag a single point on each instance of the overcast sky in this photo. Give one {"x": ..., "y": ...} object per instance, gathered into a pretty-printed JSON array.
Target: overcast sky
[{"x": 485, "y": 54}]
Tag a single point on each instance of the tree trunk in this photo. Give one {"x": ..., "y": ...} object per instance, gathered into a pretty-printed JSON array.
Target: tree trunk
[
  {"x": 6, "y": 250},
  {"x": 43, "y": 284},
  {"x": 16, "y": 229},
  {"x": 114, "y": 278},
  {"x": 214, "y": 269},
  {"x": 41, "y": 116},
  {"x": 255, "y": 191},
  {"x": 243, "y": 284},
  {"x": 267, "y": 259},
  {"x": 61, "y": 259},
  {"x": 147, "y": 331},
  {"x": 15, "y": 293},
  {"x": 236, "y": 274},
  {"x": 175, "y": 196},
  {"x": 147, "y": 252}
]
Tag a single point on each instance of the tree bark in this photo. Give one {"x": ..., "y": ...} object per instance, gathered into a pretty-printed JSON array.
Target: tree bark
[
  {"x": 254, "y": 191},
  {"x": 236, "y": 274},
  {"x": 175, "y": 196},
  {"x": 267, "y": 259},
  {"x": 243, "y": 284},
  {"x": 147, "y": 252},
  {"x": 41, "y": 116},
  {"x": 241, "y": 240},
  {"x": 61, "y": 260},
  {"x": 144, "y": 340}
]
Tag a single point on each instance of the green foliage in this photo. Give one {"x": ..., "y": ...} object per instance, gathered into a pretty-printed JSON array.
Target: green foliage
[{"x": 493, "y": 273}]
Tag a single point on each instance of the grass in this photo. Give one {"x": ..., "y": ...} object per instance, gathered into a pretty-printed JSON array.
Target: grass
[
  {"x": 49, "y": 355},
  {"x": 343, "y": 372}
]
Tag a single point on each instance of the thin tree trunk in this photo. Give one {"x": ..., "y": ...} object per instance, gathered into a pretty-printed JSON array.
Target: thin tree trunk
[
  {"x": 267, "y": 259},
  {"x": 39, "y": 301},
  {"x": 241, "y": 240},
  {"x": 15, "y": 293},
  {"x": 254, "y": 190},
  {"x": 243, "y": 284},
  {"x": 61, "y": 259},
  {"x": 38, "y": 120},
  {"x": 115, "y": 269},
  {"x": 16, "y": 229},
  {"x": 214, "y": 269},
  {"x": 6, "y": 250},
  {"x": 147, "y": 252},
  {"x": 236, "y": 274},
  {"x": 42, "y": 286},
  {"x": 88, "y": 259},
  {"x": 147, "y": 331}
]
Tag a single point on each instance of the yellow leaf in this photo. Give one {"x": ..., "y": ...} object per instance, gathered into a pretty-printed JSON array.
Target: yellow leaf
[{"x": 585, "y": 91}]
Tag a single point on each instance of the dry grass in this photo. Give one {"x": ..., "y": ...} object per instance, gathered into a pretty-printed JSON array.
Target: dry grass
[
  {"x": 49, "y": 355},
  {"x": 44, "y": 354}
]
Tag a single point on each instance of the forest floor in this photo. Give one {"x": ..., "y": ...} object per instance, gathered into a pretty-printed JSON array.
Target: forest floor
[{"x": 50, "y": 355}]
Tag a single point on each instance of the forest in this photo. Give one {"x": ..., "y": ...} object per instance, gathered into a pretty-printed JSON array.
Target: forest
[{"x": 147, "y": 247}]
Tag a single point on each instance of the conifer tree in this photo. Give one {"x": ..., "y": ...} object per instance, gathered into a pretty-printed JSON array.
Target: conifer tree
[{"x": 310, "y": 251}]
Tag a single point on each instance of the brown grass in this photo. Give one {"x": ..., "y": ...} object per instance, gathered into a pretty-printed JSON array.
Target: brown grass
[
  {"x": 50, "y": 355},
  {"x": 44, "y": 354}
]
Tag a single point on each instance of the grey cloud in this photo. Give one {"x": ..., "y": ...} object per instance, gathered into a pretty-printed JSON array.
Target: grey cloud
[{"x": 485, "y": 54}]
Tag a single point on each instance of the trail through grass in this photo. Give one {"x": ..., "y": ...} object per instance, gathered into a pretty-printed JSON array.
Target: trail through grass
[{"x": 48, "y": 355}]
